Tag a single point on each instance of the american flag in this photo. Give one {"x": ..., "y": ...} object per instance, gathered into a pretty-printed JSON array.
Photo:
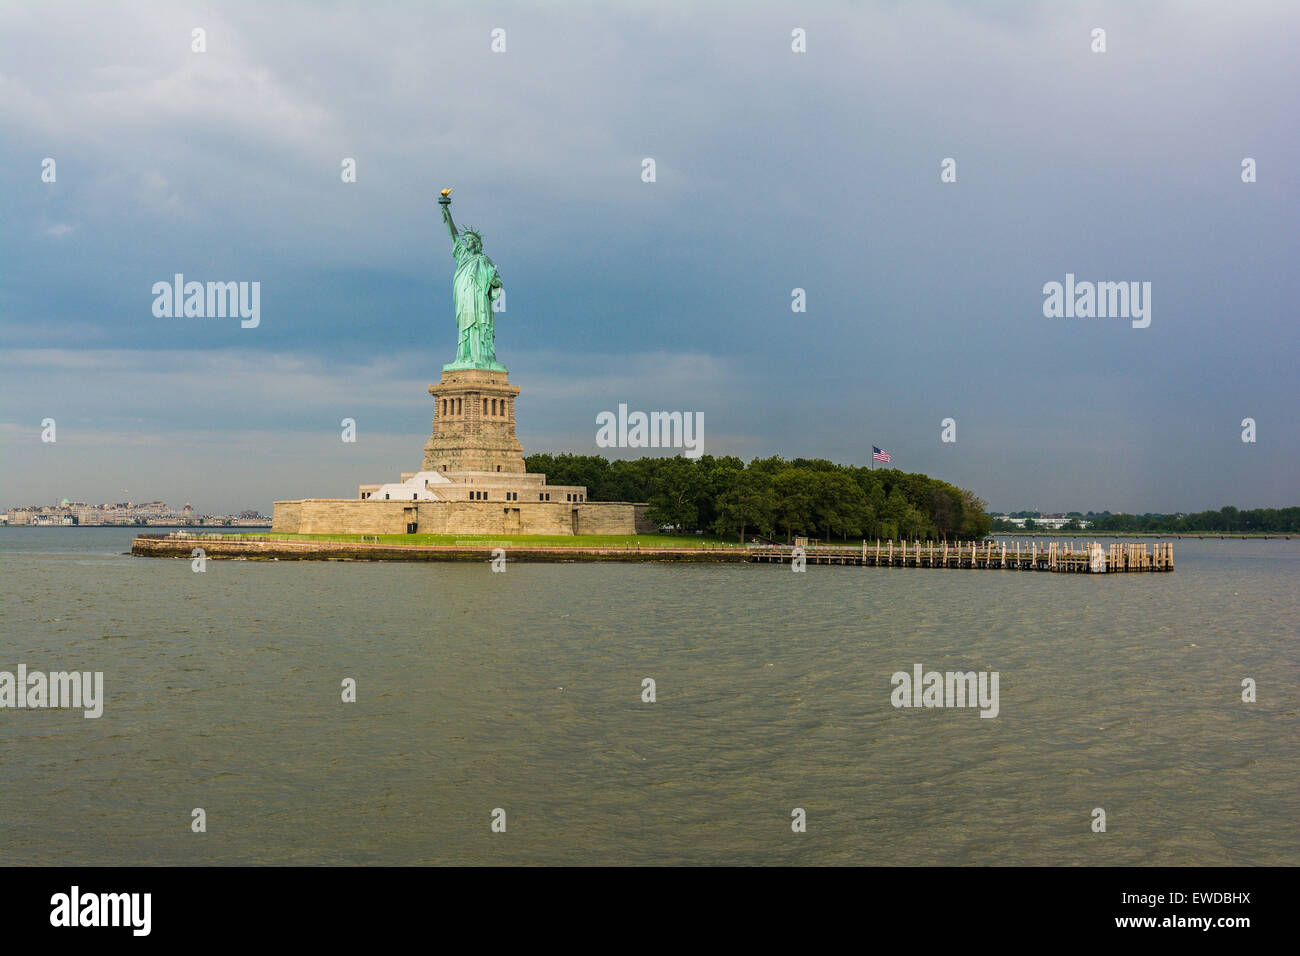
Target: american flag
[{"x": 878, "y": 455}]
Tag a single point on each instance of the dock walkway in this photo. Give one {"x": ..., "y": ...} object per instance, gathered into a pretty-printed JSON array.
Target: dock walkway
[{"x": 1093, "y": 558}]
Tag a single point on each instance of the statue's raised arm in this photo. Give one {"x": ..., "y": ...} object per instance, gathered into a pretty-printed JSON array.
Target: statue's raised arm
[{"x": 445, "y": 201}]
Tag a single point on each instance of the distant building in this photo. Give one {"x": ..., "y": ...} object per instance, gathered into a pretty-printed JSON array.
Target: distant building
[
  {"x": 1046, "y": 522},
  {"x": 68, "y": 512}
]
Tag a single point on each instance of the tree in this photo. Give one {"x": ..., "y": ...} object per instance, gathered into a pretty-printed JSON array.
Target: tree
[
  {"x": 748, "y": 503},
  {"x": 945, "y": 510},
  {"x": 1230, "y": 517},
  {"x": 793, "y": 491},
  {"x": 913, "y": 524},
  {"x": 717, "y": 476},
  {"x": 975, "y": 522},
  {"x": 838, "y": 507},
  {"x": 675, "y": 491},
  {"x": 894, "y": 513}
]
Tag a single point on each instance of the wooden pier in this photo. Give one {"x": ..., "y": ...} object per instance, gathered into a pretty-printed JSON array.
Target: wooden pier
[{"x": 1091, "y": 558}]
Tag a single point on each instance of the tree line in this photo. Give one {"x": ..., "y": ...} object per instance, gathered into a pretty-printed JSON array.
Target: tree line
[
  {"x": 1225, "y": 520},
  {"x": 775, "y": 498}
]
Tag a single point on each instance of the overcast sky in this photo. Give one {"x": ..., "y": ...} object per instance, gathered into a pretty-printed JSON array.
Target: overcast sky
[{"x": 775, "y": 170}]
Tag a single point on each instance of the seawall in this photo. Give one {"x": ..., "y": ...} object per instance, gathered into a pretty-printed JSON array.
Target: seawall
[{"x": 171, "y": 547}]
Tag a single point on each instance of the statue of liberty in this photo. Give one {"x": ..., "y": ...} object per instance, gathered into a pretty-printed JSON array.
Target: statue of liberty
[{"x": 476, "y": 285}]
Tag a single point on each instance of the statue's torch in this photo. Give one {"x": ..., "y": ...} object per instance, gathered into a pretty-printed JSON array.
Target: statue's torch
[{"x": 445, "y": 198}]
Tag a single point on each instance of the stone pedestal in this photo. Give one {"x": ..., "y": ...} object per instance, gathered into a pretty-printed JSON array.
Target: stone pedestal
[{"x": 474, "y": 424}]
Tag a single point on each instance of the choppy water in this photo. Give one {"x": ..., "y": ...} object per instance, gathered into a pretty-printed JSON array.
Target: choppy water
[{"x": 523, "y": 691}]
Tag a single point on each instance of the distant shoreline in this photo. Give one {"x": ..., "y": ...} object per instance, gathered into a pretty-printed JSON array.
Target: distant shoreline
[
  {"x": 141, "y": 527},
  {"x": 1184, "y": 536}
]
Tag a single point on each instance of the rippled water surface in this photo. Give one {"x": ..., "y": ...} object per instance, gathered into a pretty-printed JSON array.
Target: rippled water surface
[{"x": 523, "y": 691}]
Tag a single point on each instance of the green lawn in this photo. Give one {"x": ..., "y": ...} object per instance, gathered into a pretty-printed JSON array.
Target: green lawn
[{"x": 544, "y": 540}]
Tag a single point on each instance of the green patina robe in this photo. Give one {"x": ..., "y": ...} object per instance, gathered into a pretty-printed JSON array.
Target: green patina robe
[{"x": 473, "y": 288}]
